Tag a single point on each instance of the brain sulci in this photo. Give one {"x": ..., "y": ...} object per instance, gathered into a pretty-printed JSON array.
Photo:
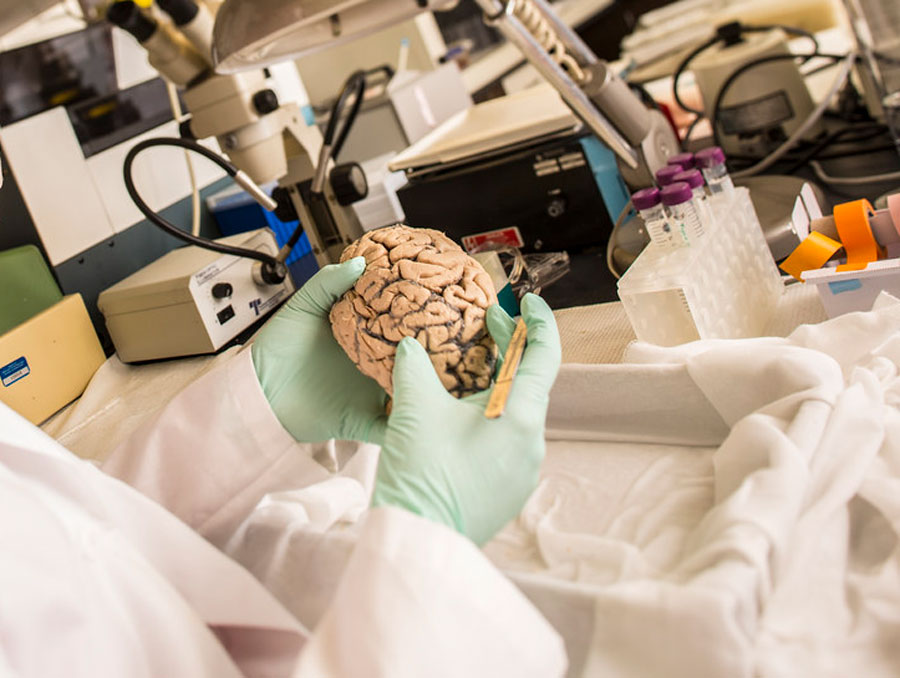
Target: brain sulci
[{"x": 417, "y": 283}]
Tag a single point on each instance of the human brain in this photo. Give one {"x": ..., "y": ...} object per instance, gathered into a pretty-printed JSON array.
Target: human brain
[{"x": 417, "y": 283}]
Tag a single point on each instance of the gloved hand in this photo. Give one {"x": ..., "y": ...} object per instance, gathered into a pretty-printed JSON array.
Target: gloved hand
[
  {"x": 442, "y": 459},
  {"x": 315, "y": 390}
]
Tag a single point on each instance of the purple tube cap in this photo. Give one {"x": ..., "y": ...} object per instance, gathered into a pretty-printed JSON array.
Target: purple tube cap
[
  {"x": 666, "y": 175},
  {"x": 686, "y": 160},
  {"x": 645, "y": 198},
  {"x": 676, "y": 193},
  {"x": 692, "y": 178},
  {"x": 709, "y": 157}
]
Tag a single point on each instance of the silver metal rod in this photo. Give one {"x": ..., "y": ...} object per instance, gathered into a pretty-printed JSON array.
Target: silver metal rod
[
  {"x": 318, "y": 182},
  {"x": 243, "y": 180},
  {"x": 518, "y": 34},
  {"x": 573, "y": 42}
]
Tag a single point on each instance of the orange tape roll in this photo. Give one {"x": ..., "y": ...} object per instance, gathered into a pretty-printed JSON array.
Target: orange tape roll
[
  {"x": 855, "y": 232},
  {"x": 809, "y": 255}
]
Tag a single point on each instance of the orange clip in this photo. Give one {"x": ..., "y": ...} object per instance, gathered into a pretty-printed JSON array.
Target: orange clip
[
  {"x": 855, "y": 232},
  {"x": 809, "y": 255}
]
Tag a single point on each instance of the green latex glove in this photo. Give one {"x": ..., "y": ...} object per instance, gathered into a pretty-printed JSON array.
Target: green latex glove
[
  {"x": 315, "y": 390},
  {"x": 442, "y": 459}
]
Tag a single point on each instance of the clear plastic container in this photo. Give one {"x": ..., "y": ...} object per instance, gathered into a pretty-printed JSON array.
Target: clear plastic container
[
  {"x": 726, "y": 286},
  {"x": 711, "y": 162},
  {"x": 682, "y": 211},
  {"x": 649, "y": 206},
  {"x": 694, "y": 179}
]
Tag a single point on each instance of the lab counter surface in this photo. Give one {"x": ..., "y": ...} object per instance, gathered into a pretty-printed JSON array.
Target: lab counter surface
[
  {"x": 722, "y": 508},
  {"x": 121, "y": 396}
]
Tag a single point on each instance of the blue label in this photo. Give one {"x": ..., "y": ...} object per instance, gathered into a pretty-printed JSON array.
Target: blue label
[
  {"x": 309, "y": 116},
  {"x": 844, "y": 286},
  {"x": 17, "y": 369}
]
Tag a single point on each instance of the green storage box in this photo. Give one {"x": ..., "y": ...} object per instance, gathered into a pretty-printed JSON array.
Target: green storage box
[{"x": 26, "y": 286}]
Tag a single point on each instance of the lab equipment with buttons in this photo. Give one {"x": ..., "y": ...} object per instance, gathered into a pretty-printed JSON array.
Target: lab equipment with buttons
[{"x": 191, "y": 301}]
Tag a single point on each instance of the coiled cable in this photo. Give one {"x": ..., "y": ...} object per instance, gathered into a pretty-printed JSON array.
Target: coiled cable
[{"x": 271, "y": 265}]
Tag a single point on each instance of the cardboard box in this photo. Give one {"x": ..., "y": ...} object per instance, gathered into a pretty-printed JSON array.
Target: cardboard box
[{"x": 47, "y": 361}]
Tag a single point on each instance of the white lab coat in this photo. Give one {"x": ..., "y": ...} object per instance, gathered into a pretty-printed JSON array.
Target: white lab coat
[{"x": 98, "y": 580}]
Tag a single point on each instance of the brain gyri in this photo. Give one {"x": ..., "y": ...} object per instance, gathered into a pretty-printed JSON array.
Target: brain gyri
[{"x": 417, "y": 283}]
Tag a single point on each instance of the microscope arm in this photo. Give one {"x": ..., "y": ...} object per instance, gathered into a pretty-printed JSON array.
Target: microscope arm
[{"x": 641, "y": 138}]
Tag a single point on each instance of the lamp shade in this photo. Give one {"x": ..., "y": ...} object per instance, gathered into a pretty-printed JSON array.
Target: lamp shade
[{"x": 254, "y": 33}]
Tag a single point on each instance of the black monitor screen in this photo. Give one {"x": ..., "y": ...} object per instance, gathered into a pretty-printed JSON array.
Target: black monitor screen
[{"x": 77, "y": 71}]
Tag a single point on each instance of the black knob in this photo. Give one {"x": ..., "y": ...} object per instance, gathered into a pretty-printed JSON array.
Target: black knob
[
  {"x": 265, "y": 101},
  {"x": 222, "y": 290},
  {"x": 128, "y": 16},
  {"x": 273, "y": 273},
  {"x": 349, "y": 183},
  {"x": 556, "y": 207}
]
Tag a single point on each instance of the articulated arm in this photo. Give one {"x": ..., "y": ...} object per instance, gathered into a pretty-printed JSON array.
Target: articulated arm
[{"x": 641, "y": 138}]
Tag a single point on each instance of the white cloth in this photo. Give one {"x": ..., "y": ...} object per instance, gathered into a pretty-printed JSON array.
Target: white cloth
[
  {"x": 95, "y": 579},
  {"x": 724, "y": 508},
  {"x": 717, "y": 509}
]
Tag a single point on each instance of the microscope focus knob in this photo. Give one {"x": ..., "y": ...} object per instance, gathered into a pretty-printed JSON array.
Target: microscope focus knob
[
  {"x": 349, "y": 183},
  {"x": 265, "y": 101}
]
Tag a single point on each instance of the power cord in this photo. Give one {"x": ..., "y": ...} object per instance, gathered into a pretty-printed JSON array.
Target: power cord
[
  {"x": 851, "y": 181},
  {"x": 871, "y": 129},
  {"x": 273, "y": 271},
  {"x": 610, "y": 243}
]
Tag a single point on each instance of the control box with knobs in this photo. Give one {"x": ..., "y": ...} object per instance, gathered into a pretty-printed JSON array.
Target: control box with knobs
[{"x": 191, "y": 301}]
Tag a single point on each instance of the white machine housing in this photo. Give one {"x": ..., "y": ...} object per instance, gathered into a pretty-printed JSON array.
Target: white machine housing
[
  {"x": 190, "y": 301},
  {"x": 764, "y": 98}
]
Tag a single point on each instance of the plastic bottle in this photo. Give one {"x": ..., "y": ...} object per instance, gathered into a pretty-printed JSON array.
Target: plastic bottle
[
  {"x": 694, "y": 179},
  {"x": 711, "y": 162},
  {"x": 665, "y": 175},
  {"x": 686, "y": 160},
  {"x": 649, "y": 205},
  {"x": 683, "y": 212}
]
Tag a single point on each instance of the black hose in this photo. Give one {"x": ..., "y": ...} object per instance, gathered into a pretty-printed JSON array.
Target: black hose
[
  {"x": 169, "y": 227},
  {"x": 355, "y": 85}
]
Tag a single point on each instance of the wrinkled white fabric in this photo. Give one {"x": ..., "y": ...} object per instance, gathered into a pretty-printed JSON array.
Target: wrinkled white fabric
[
  {"x": 724, "y": 508},
  {"x": 97, "y": 580},
  {"x": 772, "y": 551}
]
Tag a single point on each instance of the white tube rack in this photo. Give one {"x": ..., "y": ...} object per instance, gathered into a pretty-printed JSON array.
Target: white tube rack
[{"x": 725, "y": 286}]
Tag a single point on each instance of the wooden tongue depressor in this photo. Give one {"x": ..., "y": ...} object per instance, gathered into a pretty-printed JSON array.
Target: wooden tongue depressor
[{"x": 500, "y": 394}]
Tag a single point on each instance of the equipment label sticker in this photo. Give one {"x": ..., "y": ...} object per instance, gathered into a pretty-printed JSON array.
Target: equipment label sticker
[
  {"x": 207, "y": 273},
  {"x": 480, "y": 242},
  {"x": 17, "y": 369}
]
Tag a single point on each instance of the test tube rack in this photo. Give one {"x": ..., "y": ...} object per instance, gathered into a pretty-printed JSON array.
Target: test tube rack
[{"x": 725, "y": 286}]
